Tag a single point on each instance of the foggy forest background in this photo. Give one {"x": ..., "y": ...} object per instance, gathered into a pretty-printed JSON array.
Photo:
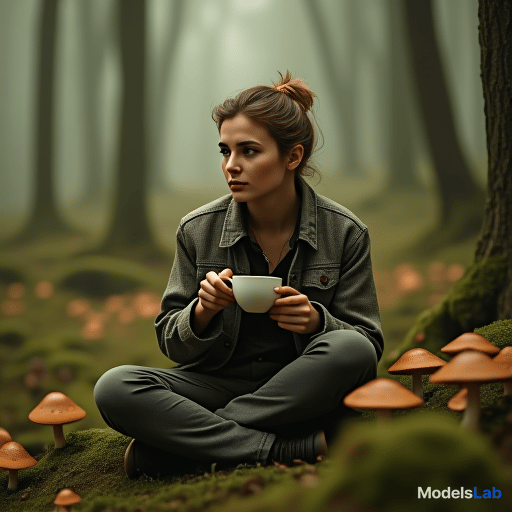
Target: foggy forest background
[{"x": 107, "y": 141}]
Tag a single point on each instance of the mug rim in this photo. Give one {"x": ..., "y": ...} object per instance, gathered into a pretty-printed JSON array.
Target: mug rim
[{"x": 257, "y": 277}]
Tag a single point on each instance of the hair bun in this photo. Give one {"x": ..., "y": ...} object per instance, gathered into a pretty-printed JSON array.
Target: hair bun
[{"x": 296, "y": 89}]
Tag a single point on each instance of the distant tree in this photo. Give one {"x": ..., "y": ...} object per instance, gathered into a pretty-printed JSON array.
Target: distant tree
[
  {"x": 495, "y": 33},
  {"x": 44, "y": 219},
  {"x": 129, "y": 231},
  {"x": 402, "y": 148},
  {"x": 461, "y": 198},
  {"x": 94, "y": 41},
  {"x": 341, "y": 87},
  {"x": 161, "y": 99}
]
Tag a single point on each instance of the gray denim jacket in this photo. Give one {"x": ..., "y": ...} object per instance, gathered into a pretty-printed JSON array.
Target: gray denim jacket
[{"x": 332, "y": 266}]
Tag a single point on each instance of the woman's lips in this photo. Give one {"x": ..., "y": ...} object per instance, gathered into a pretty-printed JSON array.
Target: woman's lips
[{"x": 235, "y": 186}]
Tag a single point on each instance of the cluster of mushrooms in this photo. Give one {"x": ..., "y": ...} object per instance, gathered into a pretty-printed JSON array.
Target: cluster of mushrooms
[
  {"x": 472, "y": 364},
  {"x": 55, "y": 409}
]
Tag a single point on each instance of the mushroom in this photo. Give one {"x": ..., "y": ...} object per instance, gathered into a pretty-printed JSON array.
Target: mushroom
[
  {"x": 5, "y": 437},
  {"x": 383, "y": 395},
  {"x": 66, "y": 499},
  {"x": 14, "y": 457},
  {"x": 505, "y": 358},
  {"x": 56, "y": 409},
  {"x": 416, "y": 362},
  {"x": 459, "y": 401},
  {"x": 470, "y": 341},
  {"x": 470, "y": 369}
]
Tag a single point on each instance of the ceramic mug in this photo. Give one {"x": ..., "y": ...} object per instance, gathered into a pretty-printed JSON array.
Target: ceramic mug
[{"x": 255, "y": 294}]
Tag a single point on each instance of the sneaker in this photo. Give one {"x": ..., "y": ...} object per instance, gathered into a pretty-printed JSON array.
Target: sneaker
[
  {"x": 307, "y": 449},
  {"x": 142, "y": 459}
]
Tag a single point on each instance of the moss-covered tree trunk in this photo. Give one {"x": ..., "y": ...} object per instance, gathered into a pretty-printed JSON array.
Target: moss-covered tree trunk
[
  {"x": 496, "y": 71},
  {"x": 461, "y": 199}
]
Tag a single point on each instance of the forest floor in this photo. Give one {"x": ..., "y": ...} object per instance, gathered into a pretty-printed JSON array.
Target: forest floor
[{"x": 58, "y": 333}]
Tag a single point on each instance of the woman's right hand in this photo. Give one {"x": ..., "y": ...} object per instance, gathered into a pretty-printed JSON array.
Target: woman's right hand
[{"x": 215, "y": 294}]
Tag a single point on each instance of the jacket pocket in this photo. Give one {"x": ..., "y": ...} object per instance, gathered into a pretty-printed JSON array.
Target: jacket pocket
[{"x": 319, "y": 284}]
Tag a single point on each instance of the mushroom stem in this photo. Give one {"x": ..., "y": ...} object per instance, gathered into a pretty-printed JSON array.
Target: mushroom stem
[
  {"x": 471, "y": 416},
  {"x": 58, "y": 433},
  {"x": 384, "y": 414},
  {"x": 13, "y": 479},
  {"x": 417, "y": 385},
  {"x": 507, "y": 387}
]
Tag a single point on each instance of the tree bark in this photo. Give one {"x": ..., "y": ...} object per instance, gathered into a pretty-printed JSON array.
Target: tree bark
[
  {"x": 44, "y": 219},
  {"x": 495, "y": 34},
  {"x": 130, "y": 226},
  {"x": 461, "y": 198},
  {"x": 342, "y": 95}
]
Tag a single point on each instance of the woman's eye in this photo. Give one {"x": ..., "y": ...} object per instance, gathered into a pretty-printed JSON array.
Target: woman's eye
[
  {"x": 250, "y": 151},
  {"x": 224, "y": 151}
]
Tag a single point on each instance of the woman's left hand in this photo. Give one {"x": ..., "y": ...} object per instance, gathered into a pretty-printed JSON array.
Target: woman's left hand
[{"x": 294, "y": 312}]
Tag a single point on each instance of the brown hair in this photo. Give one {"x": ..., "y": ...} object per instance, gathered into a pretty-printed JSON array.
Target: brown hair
[{"x": 283, "y": 110}]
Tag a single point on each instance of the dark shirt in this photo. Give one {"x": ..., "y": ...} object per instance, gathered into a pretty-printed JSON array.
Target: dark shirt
[{"x": 260, "y": 339}]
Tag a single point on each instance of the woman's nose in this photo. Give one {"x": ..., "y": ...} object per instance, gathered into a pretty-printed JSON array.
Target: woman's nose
[{"x": 232, "y": 165}]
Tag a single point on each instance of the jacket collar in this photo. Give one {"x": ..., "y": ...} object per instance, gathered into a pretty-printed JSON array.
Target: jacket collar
[{"x": 233, "y": 229}]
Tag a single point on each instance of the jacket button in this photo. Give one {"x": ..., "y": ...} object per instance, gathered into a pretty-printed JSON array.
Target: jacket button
[
  {"x": 324, "y": 279},
  {"x": 259, "y": 359},
  {"x": 227, "y": 344}
]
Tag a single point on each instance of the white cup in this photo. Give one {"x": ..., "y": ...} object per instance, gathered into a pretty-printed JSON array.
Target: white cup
[{"x": 255, "y": 294}]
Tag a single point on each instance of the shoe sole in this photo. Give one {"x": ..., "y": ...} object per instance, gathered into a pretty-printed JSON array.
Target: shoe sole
[{"x": 129, "y": 461}]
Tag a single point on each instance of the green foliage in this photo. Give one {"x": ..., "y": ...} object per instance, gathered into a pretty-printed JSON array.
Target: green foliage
[
  {"x": 499, "y": 332},
  {"x": 471, "y": 303},
  {"x": 101, "y": 276}
]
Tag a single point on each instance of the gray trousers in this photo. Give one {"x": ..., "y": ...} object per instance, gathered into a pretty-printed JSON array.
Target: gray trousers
[{"x": 231, "y": 420}]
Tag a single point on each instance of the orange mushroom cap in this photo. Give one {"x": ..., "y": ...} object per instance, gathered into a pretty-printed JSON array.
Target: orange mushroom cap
[
  {"x": 470, "y": 366},
  {"x": 382, "y": 394},
  {"x": 14, "y": 456},
  {"x": 56, "y": 409},
  {"x": 470, "y": 341},
  {"x": 5, "y": 437},
  {"x": 67, "y": 497},
  {"x": 416, "y": 360},
  {"x": 504, "y": 357},
  {"x": 459, "y": 401}
]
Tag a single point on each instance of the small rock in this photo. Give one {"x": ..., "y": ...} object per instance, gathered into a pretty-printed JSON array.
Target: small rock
[{"x": 25, "y": 496}]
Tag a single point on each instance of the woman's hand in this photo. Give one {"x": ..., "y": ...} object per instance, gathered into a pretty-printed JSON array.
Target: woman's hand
[
  {"x": 294, "y": 312},
  {"x": 214, "y": 294}
]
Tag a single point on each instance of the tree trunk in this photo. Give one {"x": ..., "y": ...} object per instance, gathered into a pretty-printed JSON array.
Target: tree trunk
[
  {"x": 461, "y": 198},
  {"x": 402, "y": 161},
  {"x": 130, "y": 228},
  {"x": 342, "y": 98},
  {"x": 495, "y": 33},
  {"x": 45, "y": 219},
  {"x": 162, "y": 96}
]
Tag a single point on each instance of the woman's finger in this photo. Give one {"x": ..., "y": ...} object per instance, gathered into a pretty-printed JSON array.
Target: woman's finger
[
  {"x": 298, "y": 310},
  {"x": 286, "y": 290},
  {"x": 214, "y": 279},
  {"x": 290, "y": 300},
  {"x": 208, "y": 287},
  {"x": 204, "y": 295},
  {"x": 286, "y": 319}
]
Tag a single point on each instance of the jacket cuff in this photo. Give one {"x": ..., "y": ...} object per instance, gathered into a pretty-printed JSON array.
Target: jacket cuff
[
  {"x": 327, "y": 321},
  {"x": 186, "y": 333}
]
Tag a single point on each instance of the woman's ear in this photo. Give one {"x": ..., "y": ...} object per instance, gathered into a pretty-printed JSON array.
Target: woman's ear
[{"x": 295, "y": 157}]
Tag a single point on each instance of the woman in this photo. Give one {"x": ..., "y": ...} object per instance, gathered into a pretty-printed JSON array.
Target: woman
[{"x": 253, "y": 388}]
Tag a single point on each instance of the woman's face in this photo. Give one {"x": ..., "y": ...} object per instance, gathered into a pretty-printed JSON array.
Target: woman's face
[{"x": 252, "y": 164}]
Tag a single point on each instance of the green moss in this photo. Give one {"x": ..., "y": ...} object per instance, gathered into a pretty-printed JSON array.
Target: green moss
[
  {"x": 383, "y": 465},
  {"x": 92, "y": 465},
  {"x": 499, "y": 333},
  {"x": 471, "y": 303},
  {"x": 101, "y": 276}
]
